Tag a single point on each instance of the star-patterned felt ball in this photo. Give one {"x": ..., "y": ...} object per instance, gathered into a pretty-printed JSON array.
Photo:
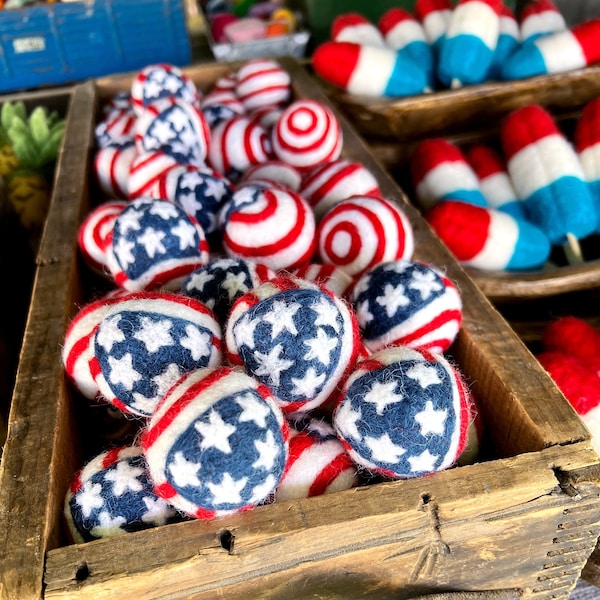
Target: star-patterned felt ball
[
  {"x": 295, "y": 337},
  {"x": 175, "y": 127},
  {"x": 161, "y": 80},
  {"x": 113, "y": 495},
  {"x": 407, "y": 303},
  {"x": 144, "y": 343},
  {"x": 269, "y": 225},
  {"x": 112, "y": 168},
  {"x": 117, "y": 127},
  {"x": 155, "y": 244},
  {"x": 317, "y": 464},
  {"x": 217, "y": 443},
  {"x": 217, "y": 113},
  {"x": 262, "y": 82},
  {"x": 222, "y": 281},
  {"x": 363, "y": 231},
  {"x": 94, "y": 234},
  {"x": 404, "y": 413}
]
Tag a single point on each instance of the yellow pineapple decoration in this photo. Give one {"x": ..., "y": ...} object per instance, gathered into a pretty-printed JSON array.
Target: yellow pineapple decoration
[{"x": 35, "y": 141}]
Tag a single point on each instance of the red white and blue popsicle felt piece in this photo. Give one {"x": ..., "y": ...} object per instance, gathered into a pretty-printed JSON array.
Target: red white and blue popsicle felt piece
[
  {"x": 434, "y": 16},
  {"x": 509, "y": 38},
  {"x": 362, "y": 231},
  {"x": 155, "y": 244},
  {"x": 144, "y": 343},
  {"x": 467, "y": 51},
  {"x": 547, "y": 175},
  {"x": 558, "y": 52},
  {"x": 369, "y": 70},
  {"x": 487, "y": 238},
  {"x": 407, "y": 303},
  {"x": 355, "y": 27},
  {"x": 404, "y": 413},
  {"x": 113, "y": 494},
  {"x": 538, "y": 18},
  {"x": 217, "y": 443},
  {"x": 295, "y": 337}
]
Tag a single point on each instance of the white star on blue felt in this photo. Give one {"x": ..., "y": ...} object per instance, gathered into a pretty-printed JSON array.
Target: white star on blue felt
[
  {"x": 228, "y": 491},
  {"x": 426, "y": 283},
  {"x": 184, "y": 472},
  {"x": 122, "y": 372},
  {"x": 268, "y": 451},
  {"x": 383, "y": 448},
  {"x": 261, "y": 491},
  {"x": 253, "y": 409},
  {"x": 243, "y": 331},
  {"x": 152, "y": 241},
  {"x": 165, "y": 380},
  {"x": 423, "y": 463},
  {"x": 424, "y": 374},
  {"x": 106, "y": 523},
  {"x": 190, "y": 203},
  {"x": 198, "y": 279},
  {"x": 154, "y": 334},
  {"x": 158, "y": 512},
  {"x": 144, "y": 405},
  {"x": 124, "y": 477},
  {"x": 307, "y": 385},
  {"x": 281, "y": 317},
  {"x": 214, "y": 188},
  {"x": 215, "y": 433},
  {"x": 392, "y": 299},
  {"x": 327, "y": 314},
  {"x": 432, "y": 420},
  {"x": 186, "y": 233},
  {"x": 129, "y": 220},
  {"x": 196, "y": 341},
  {"x": 320, "y": 347},
  {"x": 234, "y": 283},
  {"x": 347, "y": 418},
  {"x": 363, "y": 313},
  {"x": 109, "y": 333},
  {"x": 123, "y": 250},
  {"x": 89, "y": 497},
  {"x": 164, "y": 209},
  {"x": 383, "y": 394},
  {"x": 272, "y": 364}
]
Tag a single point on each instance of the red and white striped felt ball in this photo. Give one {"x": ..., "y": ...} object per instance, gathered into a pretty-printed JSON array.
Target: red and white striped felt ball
[
  {"x": 112, "y": 168},
  {"x": 262, "y": 82},
  {"x": 146, "y": 174}
]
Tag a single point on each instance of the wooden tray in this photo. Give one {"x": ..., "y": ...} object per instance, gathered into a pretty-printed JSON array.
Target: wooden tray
[{"x": 520, "y": 523}]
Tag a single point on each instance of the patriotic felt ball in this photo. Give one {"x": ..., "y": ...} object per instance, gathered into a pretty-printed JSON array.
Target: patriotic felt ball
[
  {"x": 217, "y": 444},
  {"x": 317, "y": 463},
  {"x": 335, "y": 279},
  {"x": 237, "y": 144},
  {"x": 407, "y": 303},
  {"x": 117, "y": 127},
  {"x": 362, "y": 231},
  {"x": 307, "y": 134},
  {"x": 155, "y": 244},
  {"x": 275, "y": 171},
  {"x": 146, "y": 172},
  {"x": 296, "y": 338},
  {"x": 262, "y": 82},
  {"x": 161, "y": 80},
  {"x": 112, "y": 168},
  {"x": 269, "y": 225},
  {"x": 112, "y": 495},
  {"x": 174, "y": 127},
  {"x": 336, "y": 180},
  {"x": 219, "y": 283},
  {"x": 93, "y": 236},
  {"x": 217, "y": 113},
  {"x": 404, "y": 413},
  {"x": 144, "y": 343}
]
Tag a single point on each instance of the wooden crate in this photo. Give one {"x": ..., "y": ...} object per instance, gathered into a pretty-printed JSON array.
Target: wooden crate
[{"x": 520, "y": 523}]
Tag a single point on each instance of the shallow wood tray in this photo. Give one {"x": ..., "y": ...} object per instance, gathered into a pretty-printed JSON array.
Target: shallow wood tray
[{"x": 519, "y": 524}]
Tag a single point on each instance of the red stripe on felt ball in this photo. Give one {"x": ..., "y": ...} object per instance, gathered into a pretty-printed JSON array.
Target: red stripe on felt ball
[
  {"x": 335, "y": 62},
  {"x": 461, "y": 226},
  {"x": 391, "y": 18},
  {"x": 587, "y": 128},
  {"x": 525, "y": 126}
]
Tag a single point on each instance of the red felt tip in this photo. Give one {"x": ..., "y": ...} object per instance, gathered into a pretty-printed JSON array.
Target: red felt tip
[
  {"x": 341, "y": 22},
  {"x": 588, "y": 36},
  {"x": 393, "y": 17},
  {"x": 537, "y": 7},
  {"x": 587, "y": 128},
  {"x": 425, "y": 7},
  {"x": 431, "y": 152},
  {"x": 485, "y": 160},
  {"x": 335, "y": 62},
  {"x": 525, "y": 126}
]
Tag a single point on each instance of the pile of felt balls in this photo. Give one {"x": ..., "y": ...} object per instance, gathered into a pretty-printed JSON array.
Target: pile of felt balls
[
  {"x": 441, "y": 45},
  {"x": 266, "y": 325},
  {"x": 518, "y": 202}
]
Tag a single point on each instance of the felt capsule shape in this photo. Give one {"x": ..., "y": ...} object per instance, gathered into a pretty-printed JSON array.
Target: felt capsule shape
[
  {"x": 439, "y": 170},
  {"x": 402, "y": 32},
  {"x": 467, "y": 52},
  {"x": 355, "y": 27},
  {"x": 586, "y": 139},
  {"x": 495, "y": 183},
  {"x": 539, "y": 18},
  {"x": 558, "y": 52},
  {"x": 488, "y": 239},
  {"x": 509, "y": 37},
  {"x": 547, "y": 175},
  {"x": 369, "y": 70},
  {"x": 434, "y": 16}
]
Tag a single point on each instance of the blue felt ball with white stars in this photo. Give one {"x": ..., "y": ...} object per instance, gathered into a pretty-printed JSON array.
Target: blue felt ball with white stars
[{"x": 404, "y": 413}]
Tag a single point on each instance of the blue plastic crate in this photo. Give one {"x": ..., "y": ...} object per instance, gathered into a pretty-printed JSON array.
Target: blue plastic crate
[{"x": 58, "y": 43}]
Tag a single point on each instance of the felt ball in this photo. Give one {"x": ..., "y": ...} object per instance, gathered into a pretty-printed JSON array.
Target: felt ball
[
  {"x": 576, "y": 337},
  {"x": 117, "y": 127},
  {"x": 219, "y": 283},
  {"x": 224, "y": 98},
  {"x": 217, "y": 113},
  {"x": 174, "y": 127},
  {"x": 267, "y": 116},
  {"x": 275, "y": 171},
  {"x": 579, "y": 384},
  {"x": 362, "y": 231},
  {"x": 118, "y": 101},
  {"x": 217, "y": 443},
  {"x": 331, "y": 277},
  {"x": 93, "y": 235},
  {"x": 200, "y": 192},
  {"x": 262, "y": 82},
  {"x": 112, "y": 495},
  {"x": 161, "y": 80},
  {"x": 270, "y": 225},
  {"x": 236, "y": 145},
  {"x": 295, "y": 337},
  {"x": 307, "y": 134},
  {"x": 77, "y": 349},
  {"x": 112, "y": 168},
  {"x": 488, "y": 239},
  {"x": 153, "y": 244},
  {"x": 144, "y": 343},
  {"x": 407, "y": 303},
  {"x": 317, "y": 463},
  {"x": 146, "y": 172},
  {"x": 336, "y": 180},
  {"x": 404, "y": 413},
  {"x": 354, "y": 27}
]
